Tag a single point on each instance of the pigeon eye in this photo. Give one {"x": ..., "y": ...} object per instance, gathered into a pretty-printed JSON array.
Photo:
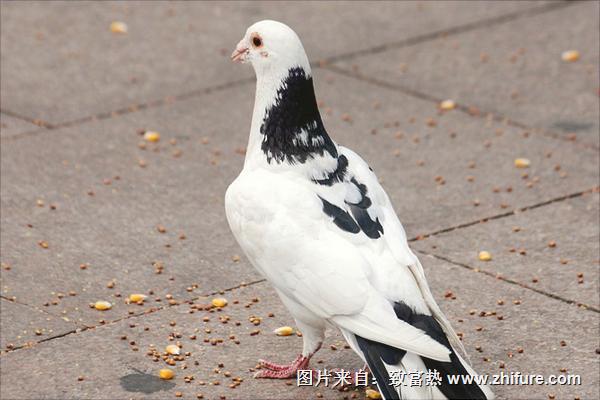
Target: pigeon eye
[{"x": 257, "y": 41}]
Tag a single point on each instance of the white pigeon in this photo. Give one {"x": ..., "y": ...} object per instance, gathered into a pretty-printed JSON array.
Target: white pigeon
[{"x": 312, "y": 218}]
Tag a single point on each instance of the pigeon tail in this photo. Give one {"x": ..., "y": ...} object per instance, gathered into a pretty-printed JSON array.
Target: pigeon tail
[{"x": 394, "y": 368}]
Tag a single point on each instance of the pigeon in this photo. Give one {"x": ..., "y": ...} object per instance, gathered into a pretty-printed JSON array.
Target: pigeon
[{"x": 313, "y": 219}]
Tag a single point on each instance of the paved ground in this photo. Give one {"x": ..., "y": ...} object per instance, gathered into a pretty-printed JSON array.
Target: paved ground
[{"x": 79, "y": 189}]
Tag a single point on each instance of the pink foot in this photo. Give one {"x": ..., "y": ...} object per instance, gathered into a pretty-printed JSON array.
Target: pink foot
[
  {"x": 277, "y": 367},
  {"x": 279, "y": 371}
]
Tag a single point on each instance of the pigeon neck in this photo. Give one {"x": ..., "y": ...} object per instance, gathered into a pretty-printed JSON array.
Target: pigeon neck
[{"x": 286, "y": 125}]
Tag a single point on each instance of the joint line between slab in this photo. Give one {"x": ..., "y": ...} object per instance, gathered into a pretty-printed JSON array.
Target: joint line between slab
[
  {"x": 136, "y": 315},
  {"x": 129, "y": 109},
  {"x": 469, "y": 110},
  {"x": 512, "y": 282},
  {"x": 34, "y": 308},
  {"x": 503, "y": 215},
  {"x": 487, "y": 22},
  {"x": 38, "y": 122}
]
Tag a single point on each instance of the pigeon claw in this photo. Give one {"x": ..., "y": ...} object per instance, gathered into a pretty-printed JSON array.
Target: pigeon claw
[
  {"x": 270, "y": 370},
  {"x": 277, "y": 367}
]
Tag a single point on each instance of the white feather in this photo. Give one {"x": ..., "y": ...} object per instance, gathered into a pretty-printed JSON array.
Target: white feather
[{"x": 323, "y": 274}]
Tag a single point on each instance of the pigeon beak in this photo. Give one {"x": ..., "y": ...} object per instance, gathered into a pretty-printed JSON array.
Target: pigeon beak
[{"x": 240, "y": 53}]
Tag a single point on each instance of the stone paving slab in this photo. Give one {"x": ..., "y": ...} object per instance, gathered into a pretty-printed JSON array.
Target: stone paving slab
[
  {"x": 23, "y": 324},
  {"x": 512, "y": 69},
  {"x": 546, "y": 248},
  {"x": 529, "y": 321},
  {"x": 536, "y": 325},
  {"x": 93, "y": 197},
  {"x": 11, "y": 126},
  {"x": 131, "y": 372},
  {"x": 115, "y": 230},
  {"x": 61, "y": 62}
]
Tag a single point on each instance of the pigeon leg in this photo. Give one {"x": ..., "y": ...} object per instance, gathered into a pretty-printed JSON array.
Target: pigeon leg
[
  {"x": 278, "y": 367},
  {"x": 282, "y": 371}
]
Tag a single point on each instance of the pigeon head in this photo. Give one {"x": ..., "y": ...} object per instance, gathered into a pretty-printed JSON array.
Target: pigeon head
[
  {"x": 287, "y": 129},
  {"x": 272, "y": 48}
]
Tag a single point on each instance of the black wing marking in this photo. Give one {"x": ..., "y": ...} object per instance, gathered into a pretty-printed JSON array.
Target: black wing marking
[
  {"x": 371, "y": 228},
  {"x": 341, "y": 218},
  {"x": 360, "y": 217},
  {"x": 336, "y": 175}
]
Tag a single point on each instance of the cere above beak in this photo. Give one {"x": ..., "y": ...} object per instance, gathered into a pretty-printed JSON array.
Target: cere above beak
[{"x": 240, "y": 53}]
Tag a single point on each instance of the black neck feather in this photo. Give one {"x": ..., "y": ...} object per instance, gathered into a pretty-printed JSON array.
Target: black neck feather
[{"x": 295, "y": 115}]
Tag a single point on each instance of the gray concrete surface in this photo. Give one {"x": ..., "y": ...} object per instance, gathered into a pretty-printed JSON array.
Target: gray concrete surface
[
  {"x": 525, "y": 248},
  {"x": 74, "y": 177},
  {"x": 514, "y": 70},
  {"x": 539, "y": 319},
  {"x": 14, "y": 126},
  {"x": 28, "y": 325},
  {"x": 82, "y": 69}
]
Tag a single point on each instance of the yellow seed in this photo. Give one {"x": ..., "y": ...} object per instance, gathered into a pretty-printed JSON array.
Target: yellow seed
[
  {"x": 485, "y": 256},
  {"x": 447, "y": 105},
  {"x": 118, "y": 27},
  {"x": 219, "y": 302},
  {"x": 136, "y": 297},
  {"x": 102, "y": 305},
  {"x": 166, "y": 373},
  {"x": 570, "y": 55},
  {"x": 522, "y": 163},
  {"x": 152, "y": 136},
  {"x": 373, "y": 394},
  {"x": 173, "y": 350},
  {"x": 284, "y": 331}
]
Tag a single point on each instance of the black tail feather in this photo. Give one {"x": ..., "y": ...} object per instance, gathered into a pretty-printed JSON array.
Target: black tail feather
[
  {"x": 431, "y": 327},
  {"x": 454, "y": 367},
  {"x": 374, "y": 352}
]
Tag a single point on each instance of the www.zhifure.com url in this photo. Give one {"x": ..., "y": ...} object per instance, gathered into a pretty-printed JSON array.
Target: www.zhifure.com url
[
  {"x": 430, "y": 378},
  {"x": 516, "y": 378}
]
